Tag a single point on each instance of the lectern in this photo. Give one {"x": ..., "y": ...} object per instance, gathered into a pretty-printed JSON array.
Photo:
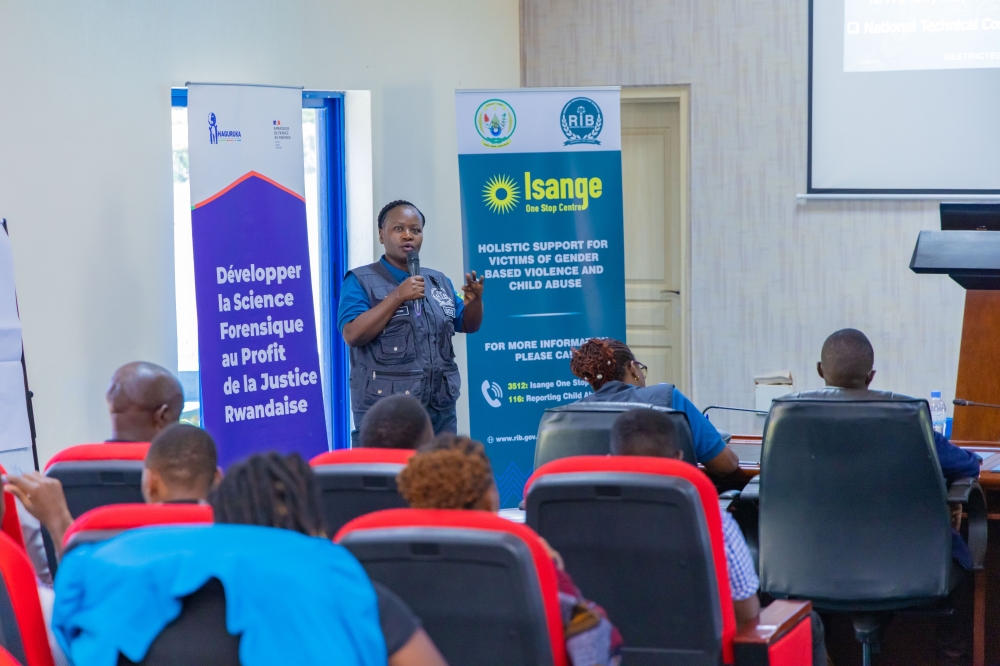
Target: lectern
[{"x": 972, "y": 259}]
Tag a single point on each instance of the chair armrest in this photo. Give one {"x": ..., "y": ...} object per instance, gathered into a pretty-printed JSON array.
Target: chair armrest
[
  {"x": 960, "y": 489},
  {"x": 751, "y": 493},
  {"x": 781, "y": 635},
  {"x": 968, "y": 492},
  {"x": 728, "y": 497}
]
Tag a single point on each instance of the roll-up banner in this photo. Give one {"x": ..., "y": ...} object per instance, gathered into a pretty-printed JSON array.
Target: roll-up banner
[
  {"x": 541, "y": 183},
  {"x": 257, "y": 348}
]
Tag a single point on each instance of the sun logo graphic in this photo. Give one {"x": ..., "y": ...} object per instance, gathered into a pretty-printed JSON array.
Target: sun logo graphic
[{"x": 501, "y": 194}]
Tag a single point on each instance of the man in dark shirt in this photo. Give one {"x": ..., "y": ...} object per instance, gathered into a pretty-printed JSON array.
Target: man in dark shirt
[{"x": 847, "y": 363}]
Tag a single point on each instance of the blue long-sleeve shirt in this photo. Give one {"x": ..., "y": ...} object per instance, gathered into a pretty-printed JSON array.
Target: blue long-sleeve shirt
[{"x": 956, "y": 463}]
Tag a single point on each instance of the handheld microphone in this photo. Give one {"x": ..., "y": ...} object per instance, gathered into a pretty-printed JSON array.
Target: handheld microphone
[
  {"x": 413, "y": 266},
  {"x": 968, "y": 403}
]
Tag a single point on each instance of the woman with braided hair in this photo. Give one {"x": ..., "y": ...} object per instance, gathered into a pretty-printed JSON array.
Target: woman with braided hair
[
  {"x": 453, "y": 472},
  {"x": 399, "y": 326},
  {"x": 273, "y": 490},
  {"x": 612, "y": 370}
]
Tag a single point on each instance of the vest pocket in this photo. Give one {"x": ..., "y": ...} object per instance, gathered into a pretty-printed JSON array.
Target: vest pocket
[
  {"x": 384, "y": 384},
  {"x": 394, "y": 345},
  {"x": 446, "y": 393}
]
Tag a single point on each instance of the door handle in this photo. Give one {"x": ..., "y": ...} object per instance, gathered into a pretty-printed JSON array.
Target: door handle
[{"x": 670, "y": 291}]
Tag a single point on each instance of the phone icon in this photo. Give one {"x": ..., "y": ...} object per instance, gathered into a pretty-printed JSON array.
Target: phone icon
[{"x": 492, "y": 393}]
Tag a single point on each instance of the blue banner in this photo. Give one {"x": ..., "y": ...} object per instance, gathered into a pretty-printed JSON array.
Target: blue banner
[
  {"x": 541, "y": 186},
  {"x": 257, "y": 346}
]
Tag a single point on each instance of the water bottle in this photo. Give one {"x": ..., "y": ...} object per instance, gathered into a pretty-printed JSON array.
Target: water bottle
[{"x": 939, "y": 413}]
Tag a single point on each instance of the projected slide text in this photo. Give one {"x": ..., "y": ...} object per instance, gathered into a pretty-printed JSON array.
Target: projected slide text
[{"x": 896, "y": 35}]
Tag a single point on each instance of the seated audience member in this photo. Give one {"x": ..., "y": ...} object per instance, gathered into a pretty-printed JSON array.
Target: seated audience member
[
  {"x": 116, "y": 598},
  {"x": 846, "y": 364},
  {"x": 46, "y": 598},
  {"x": 272, "y": 490},
  {"x": 644, "y": 432},
  {"x": 143, "y": 399},
  {"x": 612, "y": 371},
  {"x": 453, "y": 472},
  {"x": 396, "y": 422},
  {"x": 180, "y": 467}
]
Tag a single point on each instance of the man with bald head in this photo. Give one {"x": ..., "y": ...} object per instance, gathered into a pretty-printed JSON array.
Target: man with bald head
[
  {"x": 847, "y": 365},
  {"x": 143, "y": 399}
]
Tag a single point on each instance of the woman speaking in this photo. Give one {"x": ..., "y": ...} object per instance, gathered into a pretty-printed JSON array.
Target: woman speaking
[{"x": 399, "y": 326}]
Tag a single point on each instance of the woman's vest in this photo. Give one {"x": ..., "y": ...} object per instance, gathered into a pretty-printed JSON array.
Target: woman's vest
[{"x": 412, "y": 355}]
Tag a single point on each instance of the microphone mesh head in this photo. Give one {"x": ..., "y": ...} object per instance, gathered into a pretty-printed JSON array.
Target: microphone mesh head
[{"x": 413, "y": 255}]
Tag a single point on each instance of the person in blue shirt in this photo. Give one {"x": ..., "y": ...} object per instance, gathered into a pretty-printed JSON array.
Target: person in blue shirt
[
  {"x": 612, "y": 370},
  {"x": 399, "y": 327},
  {"x": 847, "y": 366}
]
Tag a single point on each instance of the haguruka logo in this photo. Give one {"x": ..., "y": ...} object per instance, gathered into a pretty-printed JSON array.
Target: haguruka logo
[{"x": 215, "y": 134}]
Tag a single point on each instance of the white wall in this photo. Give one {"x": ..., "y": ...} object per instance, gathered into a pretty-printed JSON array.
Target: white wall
[
  {"x": 770, "y": 278},
  {"x": 85, "y": 152}
]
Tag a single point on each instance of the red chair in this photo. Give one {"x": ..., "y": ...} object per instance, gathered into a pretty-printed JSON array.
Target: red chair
[
  {"x": 22, "y": 627},
  {"x": 107, "y": 521},
  {"x": 355, "y": 482},
  {"x": 7, "y": 659},
  {"x": 95, "y": 475},
  {"x": 484, "y": 587},
  {"x": 11, "y": 525},
  {"x": 643, "y": 538}
]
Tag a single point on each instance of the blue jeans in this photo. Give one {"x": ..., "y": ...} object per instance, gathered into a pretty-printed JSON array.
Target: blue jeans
[{"x": 445, "y": 420}]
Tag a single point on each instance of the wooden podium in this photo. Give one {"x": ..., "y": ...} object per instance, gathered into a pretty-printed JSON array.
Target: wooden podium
[{"x": 972, "y": 259}]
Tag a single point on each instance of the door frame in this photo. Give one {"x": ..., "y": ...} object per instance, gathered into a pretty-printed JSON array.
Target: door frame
[{"x": 682, "y": 96}]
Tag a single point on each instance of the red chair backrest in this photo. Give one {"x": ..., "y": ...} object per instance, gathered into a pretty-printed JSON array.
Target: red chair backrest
[
  {"x": 19, "y": 580},
  {"x": 103, "y": 451},
  {"x": 574, "y": 508},
  {"x": 409, "y": 532},
  {"x": 11, "y": 525},
  {"x": 94, "y": 475},
  {"x": 355, "y": 482},
  {"x": 107, "y": 521},
  {"x": 363, "y": 456},
  {"x": 7, "y": 659}
]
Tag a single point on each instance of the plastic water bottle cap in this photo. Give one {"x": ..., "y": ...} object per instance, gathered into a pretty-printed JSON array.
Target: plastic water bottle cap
[{"x": 935, "y": 394}]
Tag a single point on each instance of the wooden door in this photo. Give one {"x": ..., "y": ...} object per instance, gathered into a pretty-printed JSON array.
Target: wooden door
[{"x": 651, "y": 180}]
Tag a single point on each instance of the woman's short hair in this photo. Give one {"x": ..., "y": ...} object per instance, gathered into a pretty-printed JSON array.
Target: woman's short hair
[
  {"x": 452, "y": 472},
  {"x": 601, "y": 360}
]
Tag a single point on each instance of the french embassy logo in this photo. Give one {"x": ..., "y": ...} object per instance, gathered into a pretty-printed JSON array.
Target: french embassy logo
[
  {"x": 581, "y": 121},
  {"x": 495, "y": 121},
  {"x": 215, "y": 134}
]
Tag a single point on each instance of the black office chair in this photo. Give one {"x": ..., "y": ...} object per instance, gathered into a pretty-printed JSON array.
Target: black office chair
[
  {"x": 198, "y": 637},
  {"x": 853, "y": 507},
  {"x": 483, "y": 587},
  {"x": 584, "y": 429},
  {"x": 355, "y": 482}
]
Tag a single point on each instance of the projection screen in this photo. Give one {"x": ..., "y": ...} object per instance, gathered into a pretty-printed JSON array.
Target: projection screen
[{"x": 904, "y": 96}]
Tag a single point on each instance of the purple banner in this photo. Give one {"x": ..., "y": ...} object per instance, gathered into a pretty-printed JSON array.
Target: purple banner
[{"x": 259, "y": 363}]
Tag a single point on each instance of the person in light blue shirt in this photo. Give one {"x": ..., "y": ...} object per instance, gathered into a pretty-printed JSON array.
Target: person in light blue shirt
[{"x": 612, "y": 370}]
